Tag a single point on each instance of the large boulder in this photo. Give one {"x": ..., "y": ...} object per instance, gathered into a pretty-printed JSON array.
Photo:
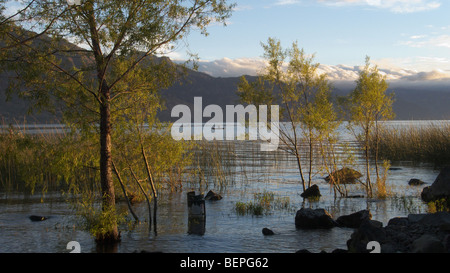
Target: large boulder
[
  {"x": 438, "y": 220},
  {"x": 427, "y": 244},
  {"x": 314, "y": 219},
  {"x": 439, "y": 189},
  {"x": 354, "y": 220},
  {"x": 368, "y": 231},
  {"x": 344, "y": 176}
]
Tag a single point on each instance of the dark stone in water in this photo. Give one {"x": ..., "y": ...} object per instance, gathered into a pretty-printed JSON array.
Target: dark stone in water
[
  {"x": 344, "y": 176},
  {"x": 267, "y": 231},
  {"x": 311, "y": 192},
  {"x": 439, "y": 189},
  {"x": 394, "y": 169},
  {"x": 36, "y": 218},
  {"x": 415, "y": 182},
  {"x": 355, "y": 196},
  {"x": 307, "y": 218},
  {"x": 213, "y": 196},
  {"x": 354, "y": 220}
]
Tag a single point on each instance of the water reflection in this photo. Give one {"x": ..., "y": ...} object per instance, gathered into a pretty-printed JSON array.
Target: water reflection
[{"x": 174, "y": 225}]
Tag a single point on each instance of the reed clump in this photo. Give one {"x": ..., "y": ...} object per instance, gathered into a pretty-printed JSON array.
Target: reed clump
[
  {"x": 213, "y": 164},
  {"x": 26, "y": 160},
  {"x": 420, "y": 144},
  {"x": 263, "y": 203}
]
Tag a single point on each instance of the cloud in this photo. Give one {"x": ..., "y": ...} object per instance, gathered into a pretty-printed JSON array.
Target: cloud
[
  {"x": 428, "y": 76},
  {"x": 227, "y": 67},
  {"x": 286, "y": 2},
  {"x": 396, "y": 6},
  {"x": 421, "y": 41},
  {"x": 409, "y": 69}
]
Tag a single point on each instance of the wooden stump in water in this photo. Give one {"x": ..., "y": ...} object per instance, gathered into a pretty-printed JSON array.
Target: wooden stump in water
[{"x": 196, "y": 213}]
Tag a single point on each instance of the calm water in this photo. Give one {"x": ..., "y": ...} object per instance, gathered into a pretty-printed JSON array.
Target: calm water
[{"x": 224, "y": 230}]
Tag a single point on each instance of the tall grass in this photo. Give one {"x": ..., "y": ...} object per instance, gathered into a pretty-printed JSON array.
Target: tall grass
[
  {"x": 26, "y": 160},
  {"x": 213, "y": 164},
  {"x": 420, "y": 144}
]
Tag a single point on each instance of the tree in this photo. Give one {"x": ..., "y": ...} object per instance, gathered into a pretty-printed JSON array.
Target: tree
[
  {"x": 369, "y": 104},
  {"x": 117, "y": 40},
  {"x": 304, "y": 95}
]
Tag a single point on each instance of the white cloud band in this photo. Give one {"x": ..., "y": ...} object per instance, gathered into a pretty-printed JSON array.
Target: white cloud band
[{"x": 397, "y": 6}]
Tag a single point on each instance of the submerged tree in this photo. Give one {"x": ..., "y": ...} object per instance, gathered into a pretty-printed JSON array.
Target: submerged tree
[
  {"x": 292, "y": 79},
  {"x": 96, "y": 81},
  {"x": 369, "y": 104}
]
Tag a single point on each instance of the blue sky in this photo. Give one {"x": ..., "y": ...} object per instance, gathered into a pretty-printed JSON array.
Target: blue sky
[
  {"x": 403, "y": 37},
  {"x": 407, "y": 39}
]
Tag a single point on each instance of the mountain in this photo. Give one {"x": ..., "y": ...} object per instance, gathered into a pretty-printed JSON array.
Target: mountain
[{"x": 413, "y": 100}]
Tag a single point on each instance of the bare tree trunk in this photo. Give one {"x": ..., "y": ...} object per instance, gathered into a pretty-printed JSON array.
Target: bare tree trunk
[
  {"x": 295, "y": 144},
  {"x": 376, "y": 150},
  {"x": 152, "y": 184},
  {"x": 146, "y": 197},
  {"x": 310, "y": 157},
  {"x": 299, "y": 163},
  {"x": 366, "y": 150},
  {"x": 136, "y": 218}
]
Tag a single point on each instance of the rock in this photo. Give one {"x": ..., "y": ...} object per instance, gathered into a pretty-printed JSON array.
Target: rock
[
  {"x": 267, "y": 232},
  {"x": 339, "y": 250},
  {"x": 437, "y": 220},
  {"x": 394, "y": 169},
  {"x": 344, "y": 176},
  {"x": 213, "y": 196},
  {"x": 415, "y": 182},
  {"x": 446, "y": 243},
  {"x": 314, "y": 219},
  {"x": 355, "y": 196},
  {"x": 388, "y": 248},
  {"x": 427, "y": 244},
  {"x": 36, "y": 218},
  {"x": 354, "y": 220},
  {"x": 405, "y": 234},
  {"x": 414, "y": 218},
  {"x": 303, "y": 251},
  {"x": 311, "y": 192},
  {"x": 367, "y": 232},
  {"x": 440, "y": 187},
  {"x": 398, "y": 221}
]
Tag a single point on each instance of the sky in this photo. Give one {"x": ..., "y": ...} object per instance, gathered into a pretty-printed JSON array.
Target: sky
[{"x": 407, "y": 39}]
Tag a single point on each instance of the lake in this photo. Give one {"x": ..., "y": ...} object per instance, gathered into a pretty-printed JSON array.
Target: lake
[{"x": 248, "y": 172}]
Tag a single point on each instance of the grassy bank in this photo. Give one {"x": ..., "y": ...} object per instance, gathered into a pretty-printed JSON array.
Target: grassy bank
[{"x": 420, "y": 144}]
